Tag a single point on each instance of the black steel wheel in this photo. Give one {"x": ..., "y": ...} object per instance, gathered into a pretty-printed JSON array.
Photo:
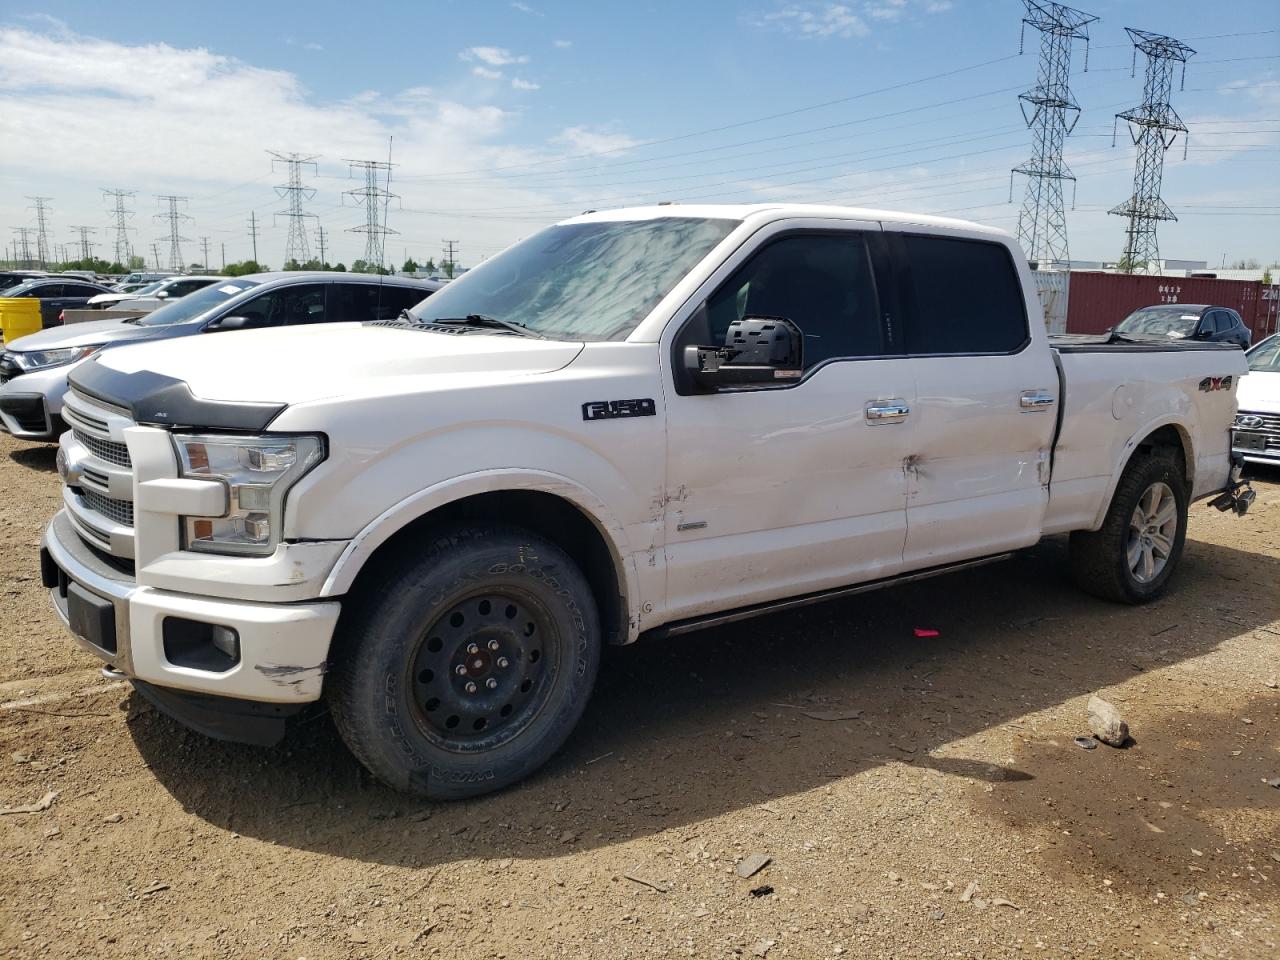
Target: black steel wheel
[
  {"x": 483, "y": 670},
  {"x": 466, "y": 666}
]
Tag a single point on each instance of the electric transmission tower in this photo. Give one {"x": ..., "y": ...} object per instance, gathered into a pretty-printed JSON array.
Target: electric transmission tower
[
  {"x": 121, "y": 216},
  {"x": 42, "y": 229},
  {"x": 373, "y": 197},
  {"x": 296, "y": 247},
  {"x": 174, "y": 216},
  {"x": 1153, "y": 125},
  {"x": 23, "y": 243},
  {"x": 1051, "y": 113},
  {"x": 320, "y": 240},
  {"x": 86, "y": 245}
]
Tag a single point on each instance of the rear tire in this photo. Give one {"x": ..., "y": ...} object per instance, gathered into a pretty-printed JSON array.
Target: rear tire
[
  {"x": 466, "y": 670},
  {"x": 1132, "y": 556}
]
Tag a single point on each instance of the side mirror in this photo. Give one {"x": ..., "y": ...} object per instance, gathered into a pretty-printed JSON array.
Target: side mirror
[
  {"x": 162, "y": 295},
  {"x": 233, "y": 323},
  {"x": 757, "y": 350}
]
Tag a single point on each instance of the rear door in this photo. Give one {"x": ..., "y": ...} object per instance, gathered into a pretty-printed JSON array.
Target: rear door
[
  {"x": 986, "y": 397},
  {"x": 782, "y": 490}
]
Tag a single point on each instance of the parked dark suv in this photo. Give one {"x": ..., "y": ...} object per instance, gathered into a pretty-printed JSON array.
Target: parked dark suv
[{"x": 1190, "y": 321}]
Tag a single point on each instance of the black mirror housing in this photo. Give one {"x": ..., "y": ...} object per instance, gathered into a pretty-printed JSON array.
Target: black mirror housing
[{"x": 757, "y": 350}]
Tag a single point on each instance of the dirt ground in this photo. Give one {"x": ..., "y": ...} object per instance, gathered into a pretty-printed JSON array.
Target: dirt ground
[{"x": 918, "y": 797}]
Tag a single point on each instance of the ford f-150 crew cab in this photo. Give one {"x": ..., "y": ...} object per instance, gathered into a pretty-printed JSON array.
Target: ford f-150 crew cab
[{"x": 632, "y": 423}]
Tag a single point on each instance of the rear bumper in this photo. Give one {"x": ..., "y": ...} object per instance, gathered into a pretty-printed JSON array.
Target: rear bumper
[{"x": 267, "y": 653}]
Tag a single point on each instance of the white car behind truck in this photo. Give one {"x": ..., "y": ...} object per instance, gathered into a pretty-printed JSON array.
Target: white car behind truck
[{"x": 632, "y": 423}]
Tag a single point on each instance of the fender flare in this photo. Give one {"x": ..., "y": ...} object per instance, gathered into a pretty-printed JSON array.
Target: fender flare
[
  {"x": 1131, "y": 446},
  {"x": 417, "y": 505}
]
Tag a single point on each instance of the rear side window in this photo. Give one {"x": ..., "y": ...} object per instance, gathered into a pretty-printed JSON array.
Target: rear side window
[
  {"x": 964, "y": 297},
  {"x": 363, "y": 302}
]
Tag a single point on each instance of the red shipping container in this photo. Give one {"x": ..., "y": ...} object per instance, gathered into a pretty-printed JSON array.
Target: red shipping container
[{"x": 1098, "y": 301}]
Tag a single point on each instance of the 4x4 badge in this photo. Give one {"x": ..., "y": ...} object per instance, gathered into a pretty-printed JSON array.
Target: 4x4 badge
[{"x": 1209, "y": 384}]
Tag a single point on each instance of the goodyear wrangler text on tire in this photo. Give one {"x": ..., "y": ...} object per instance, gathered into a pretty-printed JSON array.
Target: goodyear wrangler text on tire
[{"x": 468, "y": 669}]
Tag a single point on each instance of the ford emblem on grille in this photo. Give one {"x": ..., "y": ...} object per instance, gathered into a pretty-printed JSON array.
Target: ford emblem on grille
[{"x": 1249, "y": 422}]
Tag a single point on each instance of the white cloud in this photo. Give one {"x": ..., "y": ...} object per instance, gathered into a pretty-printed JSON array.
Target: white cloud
[
  {"x": 518, "y": 84},
  {"x": 304, "y": 44},
  {"x": 562, "y": 44},
  {"x": 886, "y": 10},
  {"x": 812, "y": 20},
  {"x": 525, "y": 8},
  {"x": 486, "y": 73},
  {"x": 493, "y": 56},
  {"x": 583, "y": 140},
  {"x": 191, "y": 134},
  {"x": 938, "y": 6}
]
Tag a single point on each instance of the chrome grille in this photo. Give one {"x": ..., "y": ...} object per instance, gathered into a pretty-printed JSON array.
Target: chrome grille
[
  {"x": 1270, "y": 422},
  {"x": 121, "y": 511},
  {"x": 107, "y": 450}
]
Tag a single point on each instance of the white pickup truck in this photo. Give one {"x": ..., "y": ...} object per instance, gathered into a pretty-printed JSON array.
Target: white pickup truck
[{"x": 633, "y": 423}]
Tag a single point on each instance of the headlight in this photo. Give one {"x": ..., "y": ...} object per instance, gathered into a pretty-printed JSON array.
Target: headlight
[
  {"x": 258, "y": 472},
  {"x": 28, "y": 360}
]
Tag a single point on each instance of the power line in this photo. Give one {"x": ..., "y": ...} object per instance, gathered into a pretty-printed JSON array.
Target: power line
[
  {"x": 450, "y": 254},
  {"x": 296, "y": 247},
  {"x": 204, "y": 246},
  {"x": 1153, "y": 126},
  {"x": 174, "y": 216},
  {"x": 1051, "y": 112}
]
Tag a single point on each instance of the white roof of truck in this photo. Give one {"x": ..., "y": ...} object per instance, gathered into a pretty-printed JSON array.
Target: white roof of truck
[{"x": 764, "y": 212}]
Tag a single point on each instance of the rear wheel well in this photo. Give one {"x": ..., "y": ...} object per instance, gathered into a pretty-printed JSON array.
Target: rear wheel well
[
  {"x": 1169, "y": 440},
  {"x": 545, "y": 514}
]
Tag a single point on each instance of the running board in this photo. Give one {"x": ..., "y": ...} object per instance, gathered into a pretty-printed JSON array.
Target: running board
[{"x": 773, "y": 606}]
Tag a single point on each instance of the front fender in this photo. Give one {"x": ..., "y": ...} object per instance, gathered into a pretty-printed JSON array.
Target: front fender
[{"x": 363, "y": 546}]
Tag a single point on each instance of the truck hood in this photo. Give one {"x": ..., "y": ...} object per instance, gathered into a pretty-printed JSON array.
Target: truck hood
[
  {"x": 1259, "y": 392},
  {"x": 294, "y": 365},
  {"x": 86, "y": 334}
]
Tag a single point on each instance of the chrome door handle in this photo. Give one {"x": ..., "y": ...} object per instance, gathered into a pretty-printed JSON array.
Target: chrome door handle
[
  {"x": 1036, "y": 400},
  {"x": 887, "y": 411}
]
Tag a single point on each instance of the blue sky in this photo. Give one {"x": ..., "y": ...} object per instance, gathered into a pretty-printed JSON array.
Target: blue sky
[{"x": 507, "y": 116}]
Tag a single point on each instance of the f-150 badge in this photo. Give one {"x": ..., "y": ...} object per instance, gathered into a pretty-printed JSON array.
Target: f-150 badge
[
  {"x": 616, "y": 409},
  {"x": 1209, "y": 384}
]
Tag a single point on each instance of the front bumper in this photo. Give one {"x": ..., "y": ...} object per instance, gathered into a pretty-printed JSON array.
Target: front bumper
[
  {"x": 154, "y": 636},
  {"x": 31, "y": 403}
]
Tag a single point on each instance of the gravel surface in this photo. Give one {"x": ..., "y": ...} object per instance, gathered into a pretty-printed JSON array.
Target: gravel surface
[{"x": 914, "y": 797}]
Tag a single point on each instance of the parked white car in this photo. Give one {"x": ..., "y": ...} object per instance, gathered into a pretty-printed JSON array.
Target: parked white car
[
  {"x": 633, "y": 423},
  {"x": 155, "y": 295},
  {"x": 1257, "y": 433}
]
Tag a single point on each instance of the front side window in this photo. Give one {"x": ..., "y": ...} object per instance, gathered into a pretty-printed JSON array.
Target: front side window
[
  {"x": 285, "y": 306},
  {"x": 822, "y": 282},
  {"x": 581, "y": 281},
  {"x": 965, "y": 297}
]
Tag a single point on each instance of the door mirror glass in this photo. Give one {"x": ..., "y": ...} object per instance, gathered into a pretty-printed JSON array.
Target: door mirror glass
[
  {"x": 236, "y": 323},
  {"x": 162, "y": 295},
  {"x": 757, "y": 350}
]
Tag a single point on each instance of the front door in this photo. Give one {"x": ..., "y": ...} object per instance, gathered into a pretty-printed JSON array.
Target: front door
[
  {"x": 986, "y": 404},
  {"x": 784, "y": 490}
]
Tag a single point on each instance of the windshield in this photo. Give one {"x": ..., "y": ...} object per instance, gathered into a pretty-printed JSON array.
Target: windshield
[
  {"x": 195, "y": 304},
  {"x": 1173, "y": 322},
  {"x": 1265, "y": 357},
  {"x": 581, "y": 281}
]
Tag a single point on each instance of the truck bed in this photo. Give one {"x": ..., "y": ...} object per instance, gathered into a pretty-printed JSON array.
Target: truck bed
[{"x": 1113, "y": 400}]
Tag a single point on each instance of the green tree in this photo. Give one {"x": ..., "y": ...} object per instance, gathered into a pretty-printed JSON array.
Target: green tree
[
  {"x": 410, "y": 266},
  {"x": 244, "y": 268},
  {"x": 136, "y": 263},
  {"x": 340, "y": 267}
]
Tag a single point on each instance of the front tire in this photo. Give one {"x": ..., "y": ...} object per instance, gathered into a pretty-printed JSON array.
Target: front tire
[
  {"x": 1132, "y": 556},
  {"x": 468, "y": 669}
]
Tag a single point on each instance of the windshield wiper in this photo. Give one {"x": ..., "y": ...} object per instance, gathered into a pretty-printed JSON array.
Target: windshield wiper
[
  {"x": 480, "y": 320},
  {"x": 136, "y": 321}
]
